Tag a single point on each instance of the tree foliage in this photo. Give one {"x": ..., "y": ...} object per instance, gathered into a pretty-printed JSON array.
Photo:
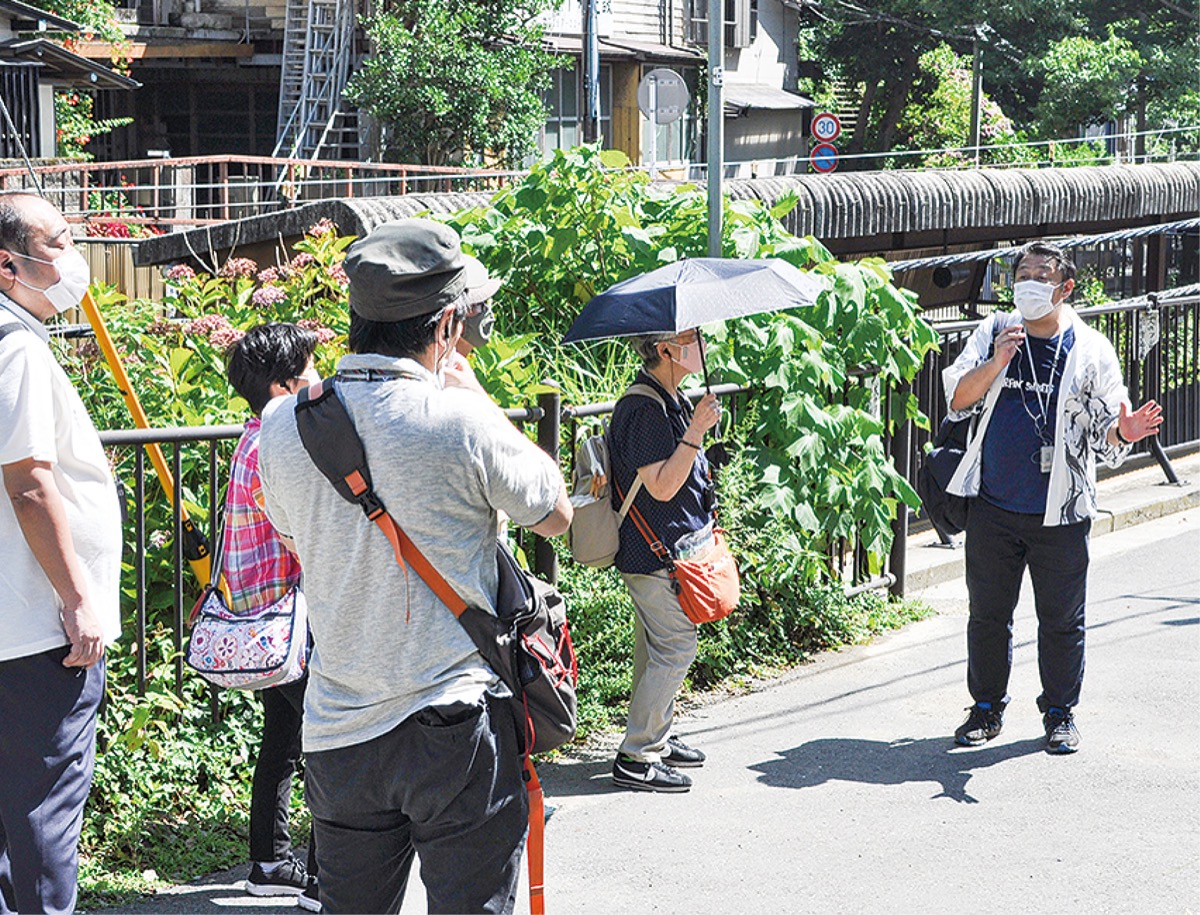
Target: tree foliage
[
  {"x": 1086, "y": 82},
  {"x": 1050, "y": 65},
  {"x": 455, "y": 82}
]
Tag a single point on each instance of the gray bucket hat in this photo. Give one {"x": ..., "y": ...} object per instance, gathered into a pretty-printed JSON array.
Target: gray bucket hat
[{"x": 413, "y": 267}]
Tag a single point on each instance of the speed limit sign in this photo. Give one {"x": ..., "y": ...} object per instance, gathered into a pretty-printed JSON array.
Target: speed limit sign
[{"x": 826, "y": 127}]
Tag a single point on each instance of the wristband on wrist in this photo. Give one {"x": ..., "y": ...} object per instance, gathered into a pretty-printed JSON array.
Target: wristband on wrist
[
  {"x": 1121, "y": 438},
  {"x": 684, "y": 441}
]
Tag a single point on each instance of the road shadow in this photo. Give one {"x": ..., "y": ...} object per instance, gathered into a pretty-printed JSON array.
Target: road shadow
[
  {"x": 877, "y": 762},
  {"x": 576, "y": 778}
]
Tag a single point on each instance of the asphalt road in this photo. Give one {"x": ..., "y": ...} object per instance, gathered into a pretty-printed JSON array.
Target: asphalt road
[{"x": 838, "y": 789}]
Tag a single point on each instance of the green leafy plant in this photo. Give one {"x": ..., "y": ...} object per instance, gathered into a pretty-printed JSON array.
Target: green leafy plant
[
  {"x": 75, "y": 123},
  {"x": 579, "y": 223},
  {"x": 808, "y": 466}
]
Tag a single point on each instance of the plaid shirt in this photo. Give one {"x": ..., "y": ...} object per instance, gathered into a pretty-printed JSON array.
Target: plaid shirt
[{"x": 258, "y": 566}]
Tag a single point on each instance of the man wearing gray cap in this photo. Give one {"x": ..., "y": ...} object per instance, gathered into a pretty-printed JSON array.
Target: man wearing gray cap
[{"x": 408, "y": 748}]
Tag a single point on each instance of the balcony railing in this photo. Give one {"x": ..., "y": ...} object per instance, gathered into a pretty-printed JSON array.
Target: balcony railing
[{"x": 210, "y": 189}]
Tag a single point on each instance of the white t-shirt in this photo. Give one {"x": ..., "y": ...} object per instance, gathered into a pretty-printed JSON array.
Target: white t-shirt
[{"x": 42, "y": 417}]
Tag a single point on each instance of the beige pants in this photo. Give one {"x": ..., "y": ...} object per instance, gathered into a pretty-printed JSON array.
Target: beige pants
[{"x": 663, "y": 649}]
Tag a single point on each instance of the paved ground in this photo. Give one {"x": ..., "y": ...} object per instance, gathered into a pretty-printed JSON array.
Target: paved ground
[{"x": 837, "y": 788}]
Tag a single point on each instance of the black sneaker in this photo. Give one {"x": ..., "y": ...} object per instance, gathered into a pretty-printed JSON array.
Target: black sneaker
[
  {"x": 643, "y": 776},
  {"x": 982, "y": 725},
  {"x": 289, "y": 879},
  {"x": 309, "y": 900},
  {"x": 1061, "y": 734},
  {"x": 679, "y": 755}
]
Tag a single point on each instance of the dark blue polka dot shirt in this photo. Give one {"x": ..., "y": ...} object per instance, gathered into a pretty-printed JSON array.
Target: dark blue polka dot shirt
[{"x": 642, "y": 433}]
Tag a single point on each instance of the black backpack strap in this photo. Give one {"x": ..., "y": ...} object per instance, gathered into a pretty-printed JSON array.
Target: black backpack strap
[
  {"x": 6, "y": 329},
  {"x": 329, "y": 437}
]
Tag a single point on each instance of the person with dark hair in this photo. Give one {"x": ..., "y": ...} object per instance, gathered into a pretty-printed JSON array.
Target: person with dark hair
[
  {"x": 60, "y": 549},
  {"x": 1048, "y": 392},
  {"x": 659, "y": 443},
  {"x": 270, "y": 361},
  {"x": 410, "y": 746}
]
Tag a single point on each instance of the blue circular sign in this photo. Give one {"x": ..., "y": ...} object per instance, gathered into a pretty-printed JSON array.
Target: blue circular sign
[{"x": 824, "y": 157}]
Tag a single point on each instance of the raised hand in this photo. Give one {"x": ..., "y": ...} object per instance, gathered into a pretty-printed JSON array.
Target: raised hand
[{"x": 1137, "y": 425}]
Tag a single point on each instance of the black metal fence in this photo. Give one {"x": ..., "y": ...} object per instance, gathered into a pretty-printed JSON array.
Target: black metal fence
[{"x": 1158, "y": 343}]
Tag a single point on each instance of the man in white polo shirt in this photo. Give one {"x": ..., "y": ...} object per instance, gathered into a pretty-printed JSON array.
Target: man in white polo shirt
[{"x": 60, "y": 561}]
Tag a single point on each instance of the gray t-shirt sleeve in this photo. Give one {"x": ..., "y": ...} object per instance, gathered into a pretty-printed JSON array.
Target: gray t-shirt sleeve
[
  {"x": 273, "y": 429},
  {"x": 516, "y": 476}
]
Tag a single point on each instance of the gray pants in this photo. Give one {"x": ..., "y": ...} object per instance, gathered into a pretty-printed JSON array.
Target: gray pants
[
  {"x": 446, "y": 783},
  {"x": 664, "y": 647},
  {"x": 47, "y": 751}
]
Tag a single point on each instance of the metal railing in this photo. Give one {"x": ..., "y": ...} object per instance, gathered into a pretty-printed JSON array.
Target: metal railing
[
  {"x": 201, "y": 190},
  {"x": 208, "y": 499},
  {"x": 1163, "y": 366}
]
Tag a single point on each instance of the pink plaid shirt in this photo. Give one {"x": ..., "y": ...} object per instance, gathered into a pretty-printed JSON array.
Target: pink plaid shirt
[{"x": 258, "y": 566}]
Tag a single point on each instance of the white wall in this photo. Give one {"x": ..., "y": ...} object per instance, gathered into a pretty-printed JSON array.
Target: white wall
[
  {"x": 771, "y": 60},
  {"x": 46, "y": 120}
]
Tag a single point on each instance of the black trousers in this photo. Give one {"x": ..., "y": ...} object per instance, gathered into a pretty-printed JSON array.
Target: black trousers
[
  {"x": 1000, "y": 545},
  {"x": 271, "y": 793},
  {"x": 47, "y": 754},
  {"x": 446, "y": 783}
]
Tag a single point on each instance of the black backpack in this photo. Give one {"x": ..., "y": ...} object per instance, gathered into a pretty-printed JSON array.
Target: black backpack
[{"x": 947, "y": 512}]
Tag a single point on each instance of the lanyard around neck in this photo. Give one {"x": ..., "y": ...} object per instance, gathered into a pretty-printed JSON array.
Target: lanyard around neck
[{"x": 1044, "y": 404}]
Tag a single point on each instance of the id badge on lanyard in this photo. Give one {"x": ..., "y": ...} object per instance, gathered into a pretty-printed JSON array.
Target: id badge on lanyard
[
  {"x": 1046, "y": 453},
  {"x": 1046, "y": 458}
]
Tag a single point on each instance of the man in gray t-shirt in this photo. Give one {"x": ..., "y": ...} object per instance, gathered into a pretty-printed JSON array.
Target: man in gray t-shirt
[{"x": 407, "y": 748}]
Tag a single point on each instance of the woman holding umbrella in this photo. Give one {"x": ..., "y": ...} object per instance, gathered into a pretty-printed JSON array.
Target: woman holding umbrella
[{"x": 658, "y": 440}]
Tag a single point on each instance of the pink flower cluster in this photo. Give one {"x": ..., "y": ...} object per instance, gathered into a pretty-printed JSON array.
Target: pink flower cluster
[
  {"x": 324, "y": 334},
  {"x": 338, "y": 274},
  {"x": 272, "y": 275},
  {"x": 267, "y": 296},
  {"x": 180, "y": 273},
  {"x": 238, "y": 267},
  {"x": 217, "y": 329},
  {"x": 322, "y": 227},
  {"x": 225, "y": 337},
  {"x": 302, "y": 260}
]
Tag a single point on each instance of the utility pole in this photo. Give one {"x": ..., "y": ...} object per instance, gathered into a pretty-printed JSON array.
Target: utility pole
[
  {"x": 976, "y": 94},
  {"x": 716, "y": 121},
  {"x": 591, "y": 74}
]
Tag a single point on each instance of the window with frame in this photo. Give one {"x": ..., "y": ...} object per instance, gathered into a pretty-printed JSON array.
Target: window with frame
[
  {"x": 565, "y": 106},
  {"x": 741, "y": 22}
]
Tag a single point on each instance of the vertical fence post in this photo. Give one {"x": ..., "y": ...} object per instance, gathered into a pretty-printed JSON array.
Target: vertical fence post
[
  {"x": 215, "y": 528},
  {"x": 901, "y": 446},
  {"x": 177, "y": 549},
  {"x": 545, "y": 560},
  {"x": 139, "y": 534}
]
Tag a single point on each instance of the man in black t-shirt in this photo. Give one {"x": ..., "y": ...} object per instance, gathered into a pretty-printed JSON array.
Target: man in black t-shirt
[{"x": 1050, "y": 400}]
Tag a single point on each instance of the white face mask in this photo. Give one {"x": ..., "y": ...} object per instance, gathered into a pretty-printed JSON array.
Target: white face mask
[
  {"x": 1034, "y": 299},
  {"x": 74, "y": 276}
]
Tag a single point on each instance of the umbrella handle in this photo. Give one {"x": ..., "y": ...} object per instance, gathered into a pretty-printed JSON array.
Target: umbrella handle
[{"x": 703, "y": 361}]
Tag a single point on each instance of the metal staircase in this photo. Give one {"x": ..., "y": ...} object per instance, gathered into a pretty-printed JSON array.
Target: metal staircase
[{"x": 318, "y": 47}]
